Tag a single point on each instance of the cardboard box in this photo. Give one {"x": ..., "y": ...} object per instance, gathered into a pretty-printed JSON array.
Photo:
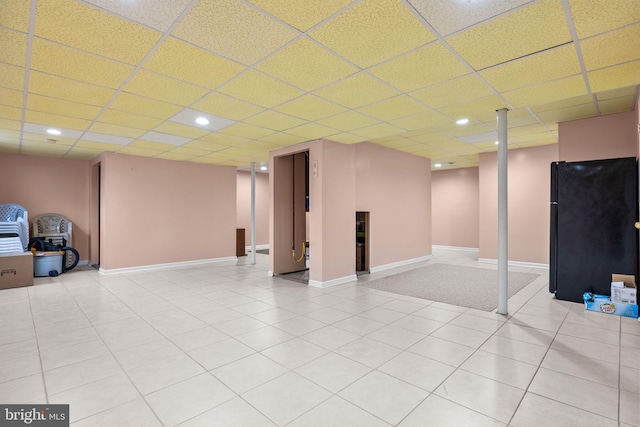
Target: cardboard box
[
  {"x": 603, "y": 304},
  {"x": 623, "y": 289},
  {"x": 16, "y": 270}
]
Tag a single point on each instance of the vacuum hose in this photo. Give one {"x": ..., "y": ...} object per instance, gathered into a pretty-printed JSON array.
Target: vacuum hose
[{"x": 293, "y": 253}]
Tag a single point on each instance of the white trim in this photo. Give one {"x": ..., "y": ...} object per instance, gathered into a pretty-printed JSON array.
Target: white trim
[
  {"x": 455, "y": 248},
  {"x": 270, "y": 273},
  {"x": 399, "y": 263},
  {"x": 166, "y": 265},
  {"x": 333, "y": 282},
  {"x": 258, "y": 247},
  {"x": 515, "y": 263}
]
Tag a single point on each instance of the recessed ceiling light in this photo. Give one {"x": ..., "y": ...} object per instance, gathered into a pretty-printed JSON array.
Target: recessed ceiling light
[
  {"x": 54, "y": 132},
  {"x": 202, "y": 121},
  {"x": 263, "y": 168},
  {"x": 437, "y": 165},
  {"x": 462, "y": 121},
  {"x": 497, "y": 142}
]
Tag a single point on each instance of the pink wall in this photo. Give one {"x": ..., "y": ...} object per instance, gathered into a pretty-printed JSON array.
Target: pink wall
[
  {"x": 603, "y": 137},
  {"x": 455, "y": 207},
  {"x": 528, "y": 197},
  {"x": 158, "y": 211},
  {"x": 42, "y": 185},
  {"x": 395, "y": 187},
  {"x": 243, "y": 210}
]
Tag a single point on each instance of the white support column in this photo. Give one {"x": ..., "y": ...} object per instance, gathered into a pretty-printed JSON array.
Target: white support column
[
  {"x": 253, "y": 213},
  {"x": 503, "y": 221}
]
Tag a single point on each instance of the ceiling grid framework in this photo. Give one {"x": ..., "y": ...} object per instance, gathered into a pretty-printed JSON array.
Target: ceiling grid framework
[{"x": 131, "y": 77}]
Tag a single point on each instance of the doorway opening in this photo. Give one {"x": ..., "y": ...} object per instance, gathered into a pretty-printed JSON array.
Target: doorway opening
[
  {"x": 95, "y": 228},
  {"x": 291, "y": 208},
  {"x": 362, "y": 243}
]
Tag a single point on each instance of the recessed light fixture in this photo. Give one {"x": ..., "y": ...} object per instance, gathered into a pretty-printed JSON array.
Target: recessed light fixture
[
  {"x": 54, "y": 132},
  {"x": 497, "y": 142},
  {"x": 202, "y": 121},
  {"x": 263, "y": 168},
  {"x": 462, "y": 121},
  {"x": 437, "y": 165}
]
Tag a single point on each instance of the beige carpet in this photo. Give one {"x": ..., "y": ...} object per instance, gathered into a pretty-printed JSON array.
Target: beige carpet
[{"x": 452, "y": 284}]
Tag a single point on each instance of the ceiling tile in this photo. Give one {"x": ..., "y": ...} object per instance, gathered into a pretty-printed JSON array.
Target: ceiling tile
[
  {"x": 598, "y": 16},
  {"x": 378, "y": 131},
  {"x": 226, "y": 106},
  {"x": 70, "y": 90},
  {"x": 111, "y": 140},
  {"x": 100, "y": 146},
  {"x": 246, "y": 131},
  {"x": 447, "y": 17},
  {"x": 115, "y": 130},
  {"x": 15, "y": 15},
  {"x": 452, "y": 92},
  {"x": 43, "y": 149},
  {"x": 152, "y": 13},
  {"x": 368, "y": 34},
  {"x": 127, "y": 119},
  {"x": 393, "y": 108},
  {"x": 204, "y": 145},
  {"x": 13, "y": 47},
  {"x": 306, "y": 65},
  {"x": 311, "y": 131},
  {"x": 226, "y": 140},
  {"x": 6, "y": 124},
  {"x": 39, "y": 132},
  {"x": 131, "y": 103},
  {"x": 76, "y": 153},
  {"x": 547, "y": 92},
  {"x": 234, "y": 30},
  {"x": 616, "y": 105},
  {"x": 283, "y": 139},
  {"x": 169, "y": 155},
  {"x": 9, "y": 147},
  {"x": 10, "y": 97},
  {"x": 150, "y": 145},
  {"x": 56, "y": 120},
  {"x": 615, "y": 77},
  {"x": 12, "y": 76},
  {"x": 616, "y": 93},
  {"x": 571, "y": 113},
  {"x": 177, "y": 59},
  {"x": 310, "y": 107},
  {"x": 189, "y": 152},
  {"x": 260, "y": 89},
  {"x": 534, "y": 69},
  {"x": 178, "y": 129},
  {"x": 163, "y": 88},
  {"x": 164, "y": 138},
  {"x": 423, "y": 67},
  {"x": 356, "y": 91},
  {"x": 274, "y": 120},
  {"x": 62, "y": 61},
  {"x": 569, "y": 102},
  {"x": 474, "y": 108},
  {"x": 142, "y": 152},
  {"x": 78, "y": 25},
  {"x": 347, "y": 121},
  {"x": 346, "y": 138},
  {"x": 612, "y": 48},
  {"x": 301, "y": 14},
  {"x": 421, "y": 121},
  {"x": 522, "y": 32},
  {"x": 47, "y": 104},
  {"x": 189, "y": 117}
]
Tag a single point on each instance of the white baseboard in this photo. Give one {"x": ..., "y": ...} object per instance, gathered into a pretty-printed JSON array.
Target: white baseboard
[
  {"x": 258, "y": 247},
  {"x": 455, "y": 248},
  {"x": 166, "y": 265},
  {"x": 515, "y": 263},
  {"x": 270, "y": 273},
  {"x": 333, "y": 282},
  {"x": 399, "y": 263}
]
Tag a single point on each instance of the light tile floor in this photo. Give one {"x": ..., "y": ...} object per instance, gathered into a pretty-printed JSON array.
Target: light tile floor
[{"x": 223, "y": 344}]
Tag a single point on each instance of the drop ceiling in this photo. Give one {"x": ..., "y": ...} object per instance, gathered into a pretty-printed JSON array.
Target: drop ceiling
[{"x": 131, "y": 76}]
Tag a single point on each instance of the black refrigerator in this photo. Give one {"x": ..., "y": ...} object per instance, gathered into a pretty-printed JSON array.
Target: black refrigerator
[{"x": 593, "y": 211}]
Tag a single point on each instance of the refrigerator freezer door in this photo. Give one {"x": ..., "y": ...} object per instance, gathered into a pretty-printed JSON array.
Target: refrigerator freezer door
[{"x": 594, "y": 232}]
